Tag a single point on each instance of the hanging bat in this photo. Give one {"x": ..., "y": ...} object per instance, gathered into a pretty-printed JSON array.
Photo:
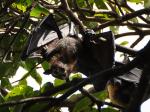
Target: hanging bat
[
  {"x": 67, "y": 52},
  {"x": 120, "y": 89}
]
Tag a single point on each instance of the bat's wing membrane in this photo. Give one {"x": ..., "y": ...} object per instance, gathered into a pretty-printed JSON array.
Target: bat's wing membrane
[{"x": 43, "y": 34}]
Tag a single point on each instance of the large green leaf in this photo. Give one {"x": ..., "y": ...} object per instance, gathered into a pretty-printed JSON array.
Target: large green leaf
[
  {"x": 22, "y": 91},
  {"x": 39, "y": 11}
]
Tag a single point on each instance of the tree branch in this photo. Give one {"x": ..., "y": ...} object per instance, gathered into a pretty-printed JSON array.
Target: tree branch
[
  {"x": 124, "y": 18},
  {"x": 97, "y": 101},
  {"x": 69, "y": 12}
]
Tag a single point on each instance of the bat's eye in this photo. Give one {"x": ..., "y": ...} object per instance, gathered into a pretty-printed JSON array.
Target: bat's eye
[{"x": 57, "y": 69}]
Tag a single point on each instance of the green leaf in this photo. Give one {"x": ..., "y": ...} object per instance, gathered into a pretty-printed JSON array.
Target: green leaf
[
  {"x": 146, "y": 3},
  {"x": 124, "y": 43},
  {"x": 22, "y": 4},
  {"x": 35, "y": 75},
  {"x": 136, "y": 1},
  {"x": 81, "y": 3},
  {"x": 39, "y": 11},
  {"x": 105, "y": 16},
  {"x": 134, "y": 20},
  {"x": 75, "y": 75},
  {"x": 28, "y": 64},
  {"x": 102, "y": 95},
  {"x": 58, "y": 82},
  {"x": 45, "y": 65},
  {"x": 114, "y": 29},
  {"x": 23, "y": 82},
  {"x": 82, "y": 105},
  {"x": 21, "y": 91},
  {"x": 100, "y": 4}
]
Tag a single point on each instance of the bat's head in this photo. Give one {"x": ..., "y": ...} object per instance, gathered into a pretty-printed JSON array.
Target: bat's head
[{"x": 64, "y": 57}]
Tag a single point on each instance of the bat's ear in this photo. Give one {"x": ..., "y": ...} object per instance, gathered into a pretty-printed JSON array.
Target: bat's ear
[
  {"x": 45, "y": 32},
  {"x": 50, "y": 23},
  {"x": 73, "y": 30}
]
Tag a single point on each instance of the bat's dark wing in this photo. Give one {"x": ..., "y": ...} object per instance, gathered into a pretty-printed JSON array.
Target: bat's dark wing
[
  {"x": 106, "y": 49},
  {"x": 46, "y": 32}
]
